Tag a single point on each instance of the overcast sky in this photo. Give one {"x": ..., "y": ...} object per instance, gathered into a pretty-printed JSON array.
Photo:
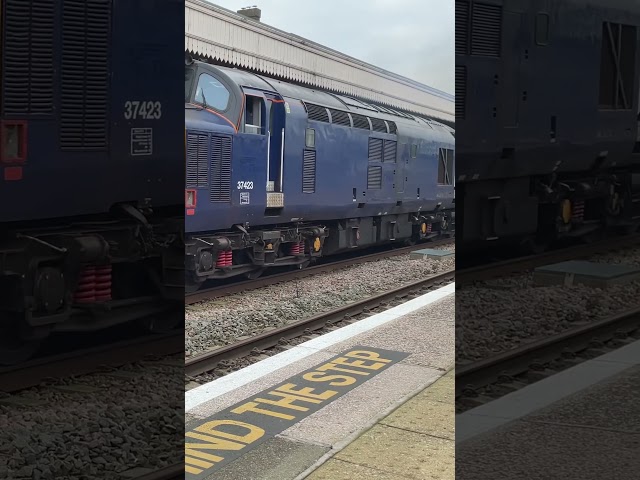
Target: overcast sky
[{"x": 413, "y": 38}]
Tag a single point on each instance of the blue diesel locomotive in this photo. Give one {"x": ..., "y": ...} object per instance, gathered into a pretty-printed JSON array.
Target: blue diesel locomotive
[
  {"x": 547, "y": 118},
  {"x": 91, "y": 172},
  {"x": 278, "y": 174}
]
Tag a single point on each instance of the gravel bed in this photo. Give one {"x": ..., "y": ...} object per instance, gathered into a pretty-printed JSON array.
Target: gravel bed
[
  {"x": 223, "y": 321},
  {"x": 228, "y": 366},
  {"x": 510, "y": 311},
  {"x": 127, "y": 423}
]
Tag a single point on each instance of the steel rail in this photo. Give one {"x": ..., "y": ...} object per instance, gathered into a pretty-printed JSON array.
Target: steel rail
[
  {"x": 205, "y": 362},
  {"x": 89, "y": 360},
  {"x": 172, "y": 472},
  {"x": 519, "y": 360},
  {"x": 529, "y": 262}
]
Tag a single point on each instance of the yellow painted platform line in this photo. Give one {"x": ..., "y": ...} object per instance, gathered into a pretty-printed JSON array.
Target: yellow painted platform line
[{"x": 416, "y": 441}]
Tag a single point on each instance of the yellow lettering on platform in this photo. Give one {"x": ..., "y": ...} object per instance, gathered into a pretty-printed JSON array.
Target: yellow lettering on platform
[
  {"x": 287, "y": 401},
  {"x": 366, "y": 355},
  {"x": 210, "y": 428},
  {"x": 358, "y": 363},
  {"x": 192, "y": 450},
  {"x": 218, "y": 442},
  {"x": 253, "y": 407},
  {"x": 193, "y": 470},
  {"x": 306, "y": 391},
  {"x": 332, "y": 366},
  {"x": 323, "y": 377}
]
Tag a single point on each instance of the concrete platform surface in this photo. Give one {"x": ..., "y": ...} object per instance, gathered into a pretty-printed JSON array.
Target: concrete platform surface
[
  {"x": 591, "y": 431},
  {"x": 421, "y": 435},
  {"x": 416, "y": 441}
]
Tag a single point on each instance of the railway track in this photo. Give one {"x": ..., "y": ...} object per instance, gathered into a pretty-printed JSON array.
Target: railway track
[
  {"x": 89, "y": 360},
  {"x": 206, "y": 362},
  {"x": 172, "y": 472},
  {"x": 485, "y": 380},
  {"x": 529, "y": 262},
  {"x": 267, "y": 280}
]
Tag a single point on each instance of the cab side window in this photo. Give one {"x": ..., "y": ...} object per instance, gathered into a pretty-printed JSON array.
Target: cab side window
[
  {"x": 254, "y": 115},
  {"x": 211, "y": 93}
]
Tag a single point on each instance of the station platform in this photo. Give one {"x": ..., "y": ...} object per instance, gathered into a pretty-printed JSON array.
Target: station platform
[
  {"x": 582, "y": 423},
  {"x": 374, "y": 398}
]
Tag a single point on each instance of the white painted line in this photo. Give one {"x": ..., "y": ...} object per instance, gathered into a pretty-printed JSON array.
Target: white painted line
[
  {"x": 544, "y": 393},
  {"x": 220, "y": 386}
]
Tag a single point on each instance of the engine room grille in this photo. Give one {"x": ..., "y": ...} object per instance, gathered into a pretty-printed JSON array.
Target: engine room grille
[
  {"x": 220, "y": 169},
  {"x": 486, "y": 26},
  {"x": 461, "y": 91},
  {"x": 375, "y": 149},
  {"x": 309, "y": 172},
  {"x": 360, "y": 121},
  {"x": 84, "y": 75},
  {"x": 27, "y": 58},
  {"x": 374, "y": 177},
  {"x": 462, "y": 28},
  {"x": 340, "y": 118},
  {"x": 317, "y": 113},
  {"x": 389, "y": 151},
  {"x": 378, "y": 125},
  {"x": 392, "y": 127},
  {"x": 197, "y": 160}
]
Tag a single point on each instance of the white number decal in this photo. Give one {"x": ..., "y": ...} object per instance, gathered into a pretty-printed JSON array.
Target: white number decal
[
  {"x": 134, "y": 109},
  {"x": 245, "y": 185}
]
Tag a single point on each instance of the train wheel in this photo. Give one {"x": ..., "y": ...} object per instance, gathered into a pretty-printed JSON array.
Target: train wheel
[
  {"x": 254, "y": 274},
  {"x": 304, "y": 264},
  {"x": 18, "y": 346},
  {"x": 162, "y": 322},
  {"x": 593, "y": 237},
  {"x": 191, "y": 285},
  {"x": 533, "y": 245},
  {"x": 630, "y": 229}
]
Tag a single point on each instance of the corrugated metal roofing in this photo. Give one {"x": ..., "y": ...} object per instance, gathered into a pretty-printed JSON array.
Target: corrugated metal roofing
[
  {"x": 222, "y": 35},
  {"x": 317, "y": 99}
]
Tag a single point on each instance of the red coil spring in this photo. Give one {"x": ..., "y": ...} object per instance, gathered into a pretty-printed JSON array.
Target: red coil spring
[
  {"x": 225, "y": 258},
  {"x": 86, "y": 292},
  {"x": 94, "y": 285},
  {"x": 103, "y": 283},
  {"x": 428, "y": 228},
  {"x": 578, "y": 210},
  {"x": 296, "y": 248}
]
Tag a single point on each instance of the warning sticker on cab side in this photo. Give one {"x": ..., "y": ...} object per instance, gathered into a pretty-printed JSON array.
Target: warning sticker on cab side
[
  {"x": 141, "y": 141},
  {"x": 227, "y": 435}
]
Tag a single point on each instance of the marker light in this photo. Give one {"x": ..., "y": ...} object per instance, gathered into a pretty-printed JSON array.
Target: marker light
[
  {"x": 13, "y": 141},
  {"x": 190, "y": 198}
]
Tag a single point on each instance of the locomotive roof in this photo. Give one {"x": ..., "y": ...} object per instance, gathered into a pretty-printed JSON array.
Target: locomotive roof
[{"x": 246, "y": 79}]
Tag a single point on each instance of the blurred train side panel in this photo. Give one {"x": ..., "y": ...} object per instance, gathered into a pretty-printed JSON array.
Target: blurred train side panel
[
  {"x": 546, "y": 148},
  {"x": 91, "y": 153}
]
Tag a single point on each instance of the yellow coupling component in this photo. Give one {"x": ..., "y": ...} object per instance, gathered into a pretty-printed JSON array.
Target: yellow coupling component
[
  {"x": 424, "y": 228},
  {"x": 317, "y": 244},
  {"x": 269, "y": 246},
  {"x": 566, "y": 211}
]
